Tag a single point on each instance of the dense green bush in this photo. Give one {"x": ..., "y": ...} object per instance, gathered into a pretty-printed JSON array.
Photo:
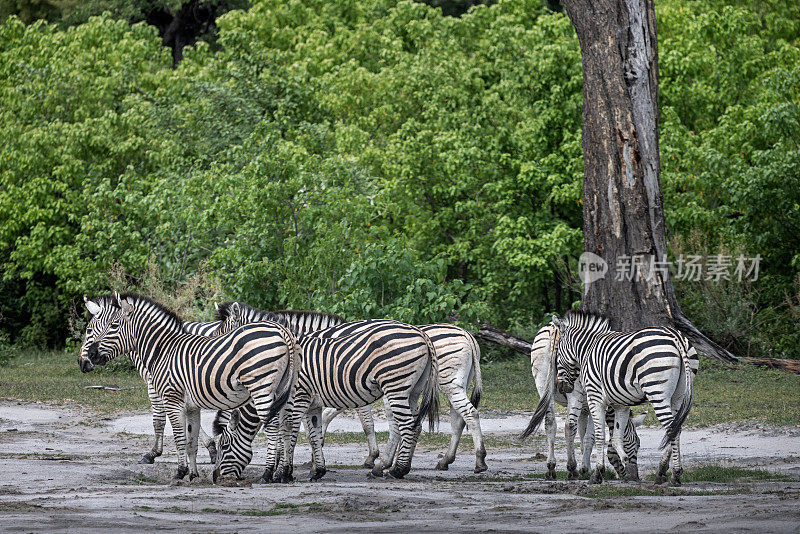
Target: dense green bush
[{"x": 380, "y": 159}]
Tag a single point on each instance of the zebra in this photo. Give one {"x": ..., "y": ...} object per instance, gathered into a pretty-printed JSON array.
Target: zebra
[
  {"x": 577, "y": 411},
  {"x": 623, "y": 369},
  {"x": 458, "y": 356},
  {"x": 103, "y": 304},
  {"x": 383, "y": 359},
  {"x": 254, "y": 363}
]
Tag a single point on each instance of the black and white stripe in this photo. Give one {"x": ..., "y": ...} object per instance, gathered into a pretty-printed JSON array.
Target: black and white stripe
[
  {"x": 577, "y": 409},
  {"x": 105, "y": 304},
  {"x": 622, "y": 369},
  {"x": 458, "y": 355},
  {"x": 188, "y": 372},
  {"x": 381, "y": 359}
]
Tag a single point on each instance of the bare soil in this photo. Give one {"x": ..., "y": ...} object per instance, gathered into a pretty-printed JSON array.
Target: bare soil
[{"x": 66, "y": 470}]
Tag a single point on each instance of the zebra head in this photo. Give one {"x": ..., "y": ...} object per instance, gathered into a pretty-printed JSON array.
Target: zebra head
[
  {"x": 572, "y": 334},
  {"x": 231, "y": 316},
  {"x": 108, "y": 332},
  {"x": 101, "y": 309},
  {"x": 233, "y": 453},
  {"x": 564, "y": 357}
]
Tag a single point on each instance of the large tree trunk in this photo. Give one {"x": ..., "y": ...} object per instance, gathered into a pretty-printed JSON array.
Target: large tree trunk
[{"x": 623, "y": 215}]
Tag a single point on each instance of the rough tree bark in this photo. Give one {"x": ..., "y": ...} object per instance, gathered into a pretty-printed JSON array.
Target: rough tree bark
[{"x": 623, "y": 215}]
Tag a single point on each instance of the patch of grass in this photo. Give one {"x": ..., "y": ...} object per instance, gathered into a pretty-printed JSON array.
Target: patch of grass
[
  {"x": 722, "y": 393},
  {"x": 726, "y": 474},
  {"x": 54, "y": 376},
  {"x": 604, "y": 491},
  {"x": 508, "y": 385}
]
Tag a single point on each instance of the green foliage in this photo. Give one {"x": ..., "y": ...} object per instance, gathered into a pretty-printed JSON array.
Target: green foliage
[{"x": 378, "y": 158}]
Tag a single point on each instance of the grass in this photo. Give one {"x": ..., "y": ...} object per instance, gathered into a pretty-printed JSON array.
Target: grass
[
  {"x": 727, "y": 474},
  {"x": 722, "y": 394},
  {"x": 54, "y": 377}
]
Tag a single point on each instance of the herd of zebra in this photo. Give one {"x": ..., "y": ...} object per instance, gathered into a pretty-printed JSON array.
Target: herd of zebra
[{"x": 273, "y": 370}]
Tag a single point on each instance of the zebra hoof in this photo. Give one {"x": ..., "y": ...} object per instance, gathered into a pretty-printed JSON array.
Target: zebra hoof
[
  {"x": 675, "y": 481},
  {"x": 632, "y": 473},
  {"x": 480, "y": 468},
  {"x": 372, "y": 476},
  {"x": 441, "y": 465},
  {"x": 397, "y": 472},
  {"x": 318, "y": 474},
  {"x": 212, "y": 453},
  {"x": 572, "y": 475},
  {"x": 660, "y": 479},
  {"x": 584, "y": 471},
  {"x": 182, "y": 472},
  {"x": 286, "y": 478},
  {"x": 550, "y": 475},
  {"x": 267, "y": 477},
  {"x": 597, "y": 477},
  {"x": 369, "y": 463},
  {"x": 148, "y": 458},
  {"x": 193, "y": 476}
]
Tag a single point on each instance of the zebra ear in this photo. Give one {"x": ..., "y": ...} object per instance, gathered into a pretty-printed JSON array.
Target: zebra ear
[
  {"x": 235, "y": 310},
  {"x": 127, "y": 305},
  {"x": 233, "y": 424},
  {"x": 93, "y": 307},
  {"x": 557, "y": 322},
  {"x": 216, "y": 306}
]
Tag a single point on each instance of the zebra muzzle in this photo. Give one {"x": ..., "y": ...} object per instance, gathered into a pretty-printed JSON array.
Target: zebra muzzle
[{"x": 85, "y": 364}]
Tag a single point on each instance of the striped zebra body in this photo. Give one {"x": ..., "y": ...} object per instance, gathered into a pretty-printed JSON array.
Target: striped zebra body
[
  {"x": 622, "y": 369},
  {"x": 458, "y": 356},
  {"x": 106, "y": 304},
  {"x": 191, "y": 372},
  {"x": 385, "y": 359},
  {"x": 577, "y": 410}
]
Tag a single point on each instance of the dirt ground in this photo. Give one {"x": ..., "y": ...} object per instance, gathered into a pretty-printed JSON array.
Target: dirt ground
[{"x": 64, "y": 470}]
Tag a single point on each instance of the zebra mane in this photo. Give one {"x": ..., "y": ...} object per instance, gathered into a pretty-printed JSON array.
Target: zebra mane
[
  {"x": 287, "y": 318},
  {"x": 586, "y": 321},
  {"x": 111, "y": 300}
]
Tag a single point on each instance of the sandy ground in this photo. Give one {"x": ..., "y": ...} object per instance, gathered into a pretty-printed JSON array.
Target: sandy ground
[{"x": 65, "y": 470}]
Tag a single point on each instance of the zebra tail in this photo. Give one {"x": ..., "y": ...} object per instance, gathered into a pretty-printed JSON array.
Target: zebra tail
[
  {"x": 430, "y": 399},
  {"x": 546, "y": 400},
  {"x": 220, "y": 422},
  {"x": 475, "y": 398},
  {"x": 289, "y": 378},
  {"x": 678, "y": 419}
]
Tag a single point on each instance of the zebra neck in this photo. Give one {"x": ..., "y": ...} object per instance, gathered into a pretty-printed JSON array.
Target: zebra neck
[{"x": 152, "y": 336}]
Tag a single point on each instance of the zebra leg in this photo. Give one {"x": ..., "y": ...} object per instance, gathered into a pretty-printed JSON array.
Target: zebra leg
[
  {"x": 598, "y": 411},
  {"x": 208, "y": 443},
  {"x": 274, "y": 446},
  {"x": 457, "y": 425},
  {"x": 314, "y": 427},
  {"x": 175, "y": 413},
  {"x": 159, "y": 423},
  {"x": 664, "y": 414},
  {"x": 386, "y": 461},
  {"x": 462, "y": 412},
  {"x": 402, "y": 411},
  {"x": 611, "y": 450},
  {"x": 193, "y": 431},
  {"x": 621, "y": 418},
  {"x": 677, "y": 465},
  {"x": 570, "y": 429},
  {"x": 295, "y": 410},
  {"x": 368, "y": 425},
  {"x": 328, "y": 415},
  {"x": 586, "y": 437}
]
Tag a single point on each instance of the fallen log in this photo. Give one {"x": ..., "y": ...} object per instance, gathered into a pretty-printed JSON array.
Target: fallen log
[
  {"x": 789, "y": 366},
  {"x": 487, "y": 332},
  {"x": 507, "y": 339}
]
